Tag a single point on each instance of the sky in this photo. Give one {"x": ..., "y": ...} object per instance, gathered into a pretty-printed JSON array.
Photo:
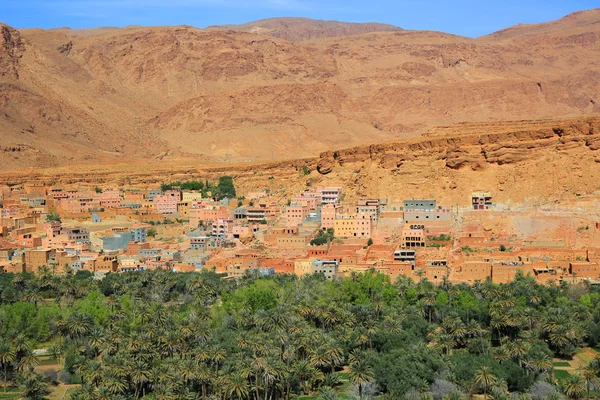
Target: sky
[{"x": 462, "y": 17}]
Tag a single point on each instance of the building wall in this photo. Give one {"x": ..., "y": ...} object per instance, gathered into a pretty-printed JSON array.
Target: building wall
[
  {"x": 475, "y": 270},
  {"x": 349, "y": 225},
  {"x": 295, "y": 214},
  {"x": 117, "y": 242}
]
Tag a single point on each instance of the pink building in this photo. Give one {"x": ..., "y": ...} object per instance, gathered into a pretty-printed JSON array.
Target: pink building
[
  {"x": 207, "y": 215},
  {"x": 307, "y": 199},
  {"x": 223, "y": 228},
  {"x": 240, "y": 231},
  {"x": 110, "y": 198},
  {"x": 264, "y": 211},
  {"x": 330, "y": 195},
  {"x": 80, "y": 202},
  {"x": 52, "y": 229},
  {"x": 166, "y": 203},
  {"x": 328, "y": 214},
  {"x": 295, "y": 214}
]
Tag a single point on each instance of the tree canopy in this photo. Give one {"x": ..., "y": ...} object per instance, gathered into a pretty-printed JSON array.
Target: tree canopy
[{"x": 160, "y": 334}]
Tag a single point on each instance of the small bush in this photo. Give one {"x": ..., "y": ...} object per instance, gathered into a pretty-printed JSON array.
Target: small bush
[{"x": 64, "y": 377}]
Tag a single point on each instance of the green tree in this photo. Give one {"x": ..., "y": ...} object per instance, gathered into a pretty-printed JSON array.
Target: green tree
[
  {"x": 7, "y": 358},
  {"x": 53, "y": 216},
  {"x": 33, "y": 387},
  {"x": 360, "y": 373},
  {"x": 485, "y": 379}
]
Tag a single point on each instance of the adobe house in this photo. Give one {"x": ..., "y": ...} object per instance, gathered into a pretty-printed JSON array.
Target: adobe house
[{"x": 481, "y": 200}]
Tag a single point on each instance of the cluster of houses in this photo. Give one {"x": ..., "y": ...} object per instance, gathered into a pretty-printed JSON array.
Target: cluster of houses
[{"x": 107, "y": 230}]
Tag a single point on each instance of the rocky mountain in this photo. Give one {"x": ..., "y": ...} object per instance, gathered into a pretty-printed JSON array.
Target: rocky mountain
[
  {"x": 107, "y": 95},
  {"x": 299, "y": 29}
]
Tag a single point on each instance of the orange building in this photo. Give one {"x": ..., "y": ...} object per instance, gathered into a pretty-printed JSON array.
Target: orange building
[
  {"x": 585, "y": 270},
  {"x": 295, "y": 214},
  {"x": 353, "y": 225}
]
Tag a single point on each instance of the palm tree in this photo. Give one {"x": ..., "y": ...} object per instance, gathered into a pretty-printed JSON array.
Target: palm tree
[
  {"x": 591, "y": 379},
  {"x": 54, "y": 352},
  {"x": 28, "y": 360},
  {"x": 237, "y": 386},
  {"x": 327, "y": 394},
  {"x": 360, "y": 373},
  {"x": 540, "y": 365},
  {"x": 34, "y": 387},
  {"x": 139, "y": 375},
  {"x": 484, "y": 379},
  {"x": 7, "y": 356},
  {"x": 574, "y": 386},
  {"x": 78, "y": 325}
]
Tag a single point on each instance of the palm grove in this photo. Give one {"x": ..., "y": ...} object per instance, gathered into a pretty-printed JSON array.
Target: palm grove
[{"x": 163, "y": 335}]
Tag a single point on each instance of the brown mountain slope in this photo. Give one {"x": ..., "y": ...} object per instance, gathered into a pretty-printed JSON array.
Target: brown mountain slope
[
  {"x": 299, "y": 29},
  {"x": 168, "y": 93},
  {"x": 521, "y": 162},
  {"x": 583, "y": 20}
]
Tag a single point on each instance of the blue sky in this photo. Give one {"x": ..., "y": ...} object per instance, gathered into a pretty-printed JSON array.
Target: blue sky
[{"x": 463, "y": 17}]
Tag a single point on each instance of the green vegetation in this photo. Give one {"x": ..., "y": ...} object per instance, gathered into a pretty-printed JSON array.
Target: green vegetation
[
  {"x": 159, "y": 334},
  {"x": 223, "y": 189},
  {"x": 561, "y": 374},
  {"x": 323, "y": 237},
  {"x": 151, "y": 232},
  {"x": 562, "y": 364},
  {"x": 441, "y": 238},
  {"x": 53, "y": 216},
  {"x": 304, "y": 170},
  {"x": 370, "y": 242}
]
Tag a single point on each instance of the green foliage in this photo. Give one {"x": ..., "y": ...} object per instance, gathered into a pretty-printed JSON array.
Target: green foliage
[
  {"x": 405, "y": 368},
  {"x": 225, "y": 188},
  {"x": 502, "y": 247},
  {"x": 370, "y": 242},
  {"x": 304, "y": 170},
  {"x": 261, "y": 295},
  {"x": 192, "y": 185},
  {"x": 196, "y": 335},
  {"x": 440, "y": 238},
  {"x": 53, "y": 216},
  {"x": 165, "y": 187},
  {"x": 323, "y": 237}
]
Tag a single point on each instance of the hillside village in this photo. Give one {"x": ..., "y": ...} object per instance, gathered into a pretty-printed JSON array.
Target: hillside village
[{"x": 195, "y": 225}]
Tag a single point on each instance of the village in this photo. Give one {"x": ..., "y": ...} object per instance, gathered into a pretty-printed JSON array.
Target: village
[{"x": 190, "y": 226}]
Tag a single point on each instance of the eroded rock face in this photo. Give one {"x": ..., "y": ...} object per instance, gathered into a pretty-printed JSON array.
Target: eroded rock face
[
  {"x": 475, "y": 147},
  {"x": 11, "y": 50}
]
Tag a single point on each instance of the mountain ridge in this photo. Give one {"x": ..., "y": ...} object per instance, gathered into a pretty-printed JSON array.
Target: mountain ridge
[{"x": 179, "y": 92}]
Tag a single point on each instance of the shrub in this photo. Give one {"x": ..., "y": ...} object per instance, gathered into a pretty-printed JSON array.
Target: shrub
[
  {"x": 64, "y": 377},
  {"x": 51, "y": 376},
  {"x": 53, "y": 216}
]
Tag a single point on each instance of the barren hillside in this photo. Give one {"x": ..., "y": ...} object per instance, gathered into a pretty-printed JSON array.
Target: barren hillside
[
  {"x": 180, "y": 93},
  {"x": 299, "y": 29},
  {"x": 534, "y": 163}
]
